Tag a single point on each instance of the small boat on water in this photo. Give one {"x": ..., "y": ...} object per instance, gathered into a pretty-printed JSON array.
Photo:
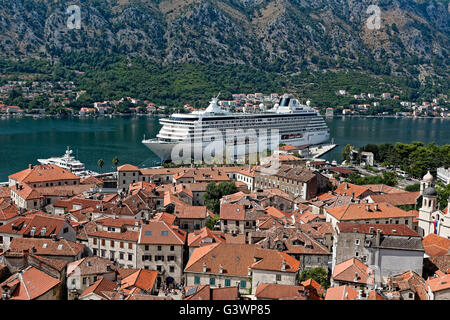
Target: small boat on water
[{"x": 68, "y": 162}]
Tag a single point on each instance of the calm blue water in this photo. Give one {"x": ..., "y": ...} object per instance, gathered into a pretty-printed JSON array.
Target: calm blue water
[{"x": 24, "y": 140}]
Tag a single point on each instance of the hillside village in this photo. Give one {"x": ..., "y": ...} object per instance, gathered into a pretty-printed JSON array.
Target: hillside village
[
  {"x": 48, "y": 98},
  {"x": 301, "y": 233}
]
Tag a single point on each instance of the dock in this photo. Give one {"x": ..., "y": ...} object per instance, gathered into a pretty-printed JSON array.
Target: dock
[{"x": 320, "y": 150}]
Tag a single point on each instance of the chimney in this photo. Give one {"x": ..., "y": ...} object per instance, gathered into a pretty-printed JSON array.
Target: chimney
[
  {"x": 355, "y": 279},
  {"x": 346, "y": 186},
  {"x": 367, "y": 207},
  {"x": 375, "y": 207},
  {"x": 220, "y": 269},
  {"x": 283, "y": 265},
  {"x": 355, "y": 230},
  {"x": 30, "y": 166},
  {"x": 249, "y": 271},
  {"x": 371, "y": 230},
  {"x": 378, "y": 237},
  {"x": 204, "y": 267},
  {"x": 353, "y": 195}
]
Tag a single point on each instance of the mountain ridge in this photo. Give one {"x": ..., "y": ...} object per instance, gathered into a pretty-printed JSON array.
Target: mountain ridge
[{"x": 273, "y": 35}]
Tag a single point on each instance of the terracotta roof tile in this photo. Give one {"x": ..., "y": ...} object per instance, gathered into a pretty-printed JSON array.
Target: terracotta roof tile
[
  {"x": 360, "y": 212},
  {"x": 279, "y": 291},
  {"x": 43, "y": 173},
  {"x": 158, "y": 232},
  {"x": 31, "y": 284}
]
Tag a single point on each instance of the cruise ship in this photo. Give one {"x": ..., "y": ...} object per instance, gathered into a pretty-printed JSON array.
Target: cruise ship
[
  {"x": 68, "y": 162},
  {"x": 296, "y": 124}
]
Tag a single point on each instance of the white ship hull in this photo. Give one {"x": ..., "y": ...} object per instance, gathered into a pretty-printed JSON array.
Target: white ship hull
[
  {"x": 295, "y": 124},
  {"x": 164, "y": 149}
]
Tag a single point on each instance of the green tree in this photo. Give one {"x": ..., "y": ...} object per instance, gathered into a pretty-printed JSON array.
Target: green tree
[
  {"x": 318, "y": 274},
  {"x": 346, "y": 152},
  {"x": 413, "y": 187},
  {"x": 210, "y": 222},
  {"x": 214, "y": 192},
  {"x": 115, "y": 161},
  {"x": 443, "y": 192},
  {"x": 100, "y": 164}
]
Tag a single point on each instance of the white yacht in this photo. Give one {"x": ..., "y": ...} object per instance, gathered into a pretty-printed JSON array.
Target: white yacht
[
  {"x": 68, "y": 162},
  {"x": 297, "y": 125}
]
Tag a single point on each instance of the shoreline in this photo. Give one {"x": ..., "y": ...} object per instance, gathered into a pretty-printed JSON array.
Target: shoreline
[{"x": 159, "y": 115}]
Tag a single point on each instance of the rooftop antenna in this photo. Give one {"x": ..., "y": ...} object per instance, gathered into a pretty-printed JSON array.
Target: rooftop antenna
[{"x": 218, "y": 96}]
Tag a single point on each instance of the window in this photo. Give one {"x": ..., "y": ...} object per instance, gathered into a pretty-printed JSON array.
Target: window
[
  {"x": 225, "y": 222},
  {"x": 66, "y": 230},
  {"x": 197, "y": 280},
  {"x": 172, "y": 269},
  {"x": 1, "y": 239},
  {"x": 212, "y": 281},
  {"x": 164, "y": 233},
  {"x": 121, "y": 245},
  {"x": 147, "y": 233},
  {"x": 130, "y": 246},
  {"x": 227, "y": 282},
  {"x": 84, "y": 280},
  {"x": 243, "y": 284},
  {"x": 159, "y": 248},
  {"x": 112, "y": 243},
  {"x": 130, "y": 257},
  {"x": 278, "y": 278},
  {"x": 146, "y": 247},
  {"x": 95, "y": 252},
  {"x": 357, "y": 242},
  {"x": 170, "y": 258},
  {"x": 237, "y": 223},
  {"x": 121, "y": 255},
  {"x": 172, "y": 248},
  {"x": 103, "y": 242},
  {"x": 95, "y": 240},
  {"x": 159, "y": 268},
  {"x": 356, "y": 254}
]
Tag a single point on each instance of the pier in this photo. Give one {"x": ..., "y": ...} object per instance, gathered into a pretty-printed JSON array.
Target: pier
[{"x": 320, "y": 150}]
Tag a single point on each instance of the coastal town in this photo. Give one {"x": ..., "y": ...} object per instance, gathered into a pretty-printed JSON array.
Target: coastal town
[
  {"x": 221, "y": 233},
  {"x": 61, "y": 95}
]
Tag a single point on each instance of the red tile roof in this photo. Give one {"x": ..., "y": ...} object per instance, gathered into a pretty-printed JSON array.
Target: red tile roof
[
  {"x": 100, "y": 286},
  {"x": 46, "y": 247},
  {"x": 232, "y": 211},
  {"x": 159, "y": 232},
  {"x": 43, "y": 225},
  {"x": 439, "y": 283},
  {"x": 142, "y": 279},
  {"x": 397, "y": 198},
  {"x": 205, "y": 236},
  {"x": 353, "y": 270},
  {"x": 386, "y": 229},
  {"x": 235, "y": 259},
  {"x": 31, "y": 284},
  {"x": 351, "y": 189},
  {"x": 43, "y": 173},
  {"x": 435, "y": 245},
  {"x": 360, "y": 212},
  {"x": 279, "y": 291},
  {"x": 341, "y": 293}
]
